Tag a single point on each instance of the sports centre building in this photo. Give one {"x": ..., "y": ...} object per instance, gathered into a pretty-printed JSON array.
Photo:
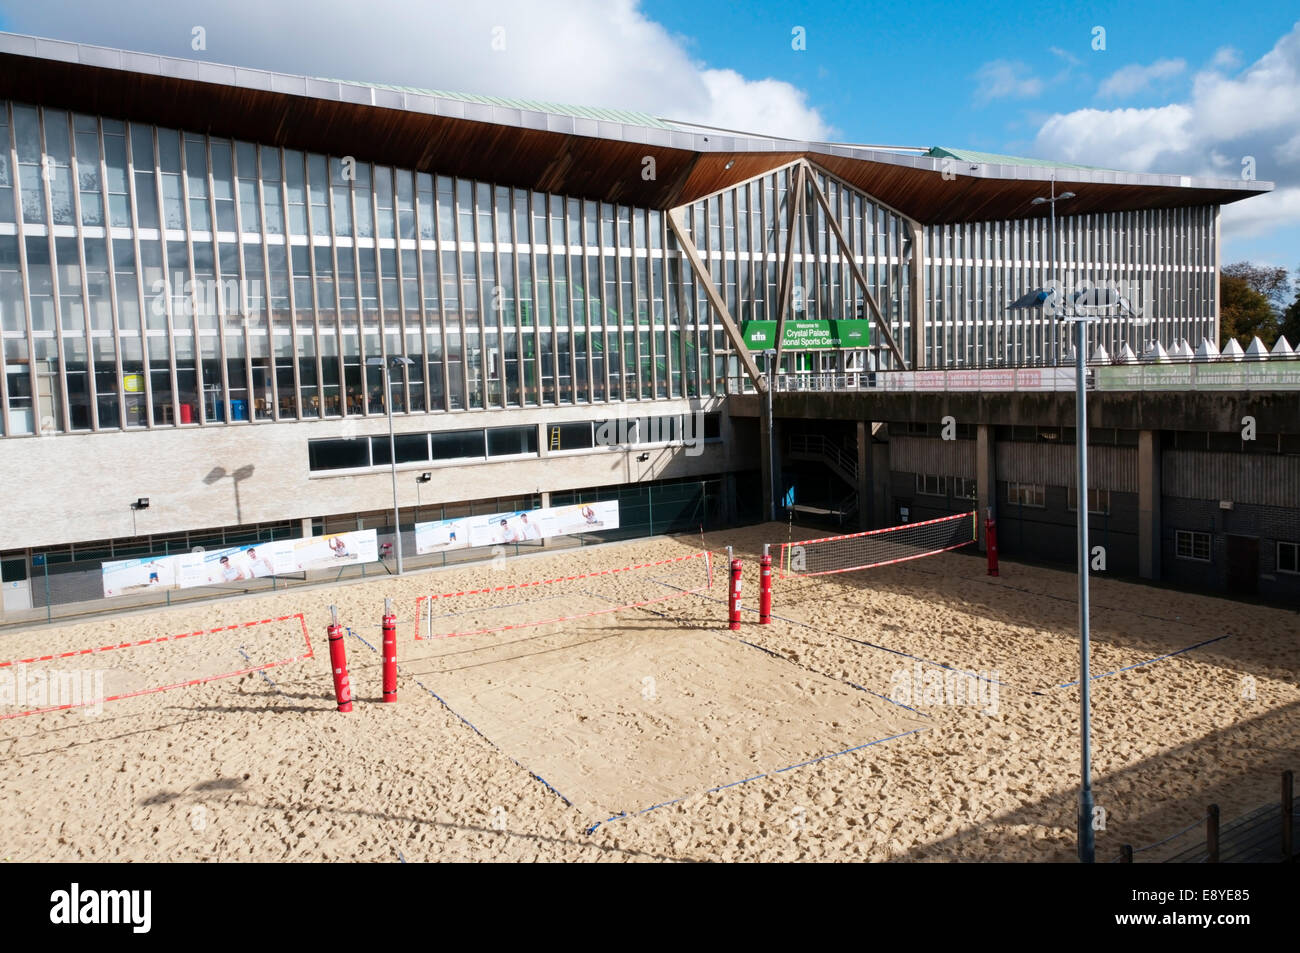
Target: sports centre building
[{"x": 218, "y": 285}]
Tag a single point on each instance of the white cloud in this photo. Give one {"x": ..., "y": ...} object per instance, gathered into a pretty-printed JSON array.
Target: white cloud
[
  {"x": 1135, "y": 78},
  {"x": 584, "y": 52},
  {"x": 1225, "y": 120},
  {"x": 1259, "y": 216},
  {"x": 1004, "y": 79},
  {"x": 1226, "y": 57}
]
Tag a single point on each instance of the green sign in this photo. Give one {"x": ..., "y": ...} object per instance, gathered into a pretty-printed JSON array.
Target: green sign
[
  {"x": 807, "y": 335},
  {"x": 1217, "y": 375}
]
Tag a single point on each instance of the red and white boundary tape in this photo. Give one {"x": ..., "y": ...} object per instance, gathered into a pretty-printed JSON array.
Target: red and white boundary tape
[
  {"x": 163, "y": 688},
  {"x": 705, "y": 555}
]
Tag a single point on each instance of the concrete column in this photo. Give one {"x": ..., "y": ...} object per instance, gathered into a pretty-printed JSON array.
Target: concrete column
[
  {"x": 916, "y": 291},
  {"x": 864, "y": 474},
  {"x": 986, "y": 478},
  {"x": 546, "y": 501},
  {"x": 766, "y": 448},
  {"x": 1149, "y": 492},
  {"x": 878, "y": 455},
  {"x": 306, "y": 527}
]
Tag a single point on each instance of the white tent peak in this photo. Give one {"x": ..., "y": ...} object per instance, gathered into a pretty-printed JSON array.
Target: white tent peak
[
  {"x": 1156, "y": 353},
  {"x": 1206, "y": 350}
]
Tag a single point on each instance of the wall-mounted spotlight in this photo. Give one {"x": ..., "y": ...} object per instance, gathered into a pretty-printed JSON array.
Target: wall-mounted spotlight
[
  {"x": 424, "y": 478},
  {"x": 141, "y": 504},
  {"x": 642, "y": 458}
]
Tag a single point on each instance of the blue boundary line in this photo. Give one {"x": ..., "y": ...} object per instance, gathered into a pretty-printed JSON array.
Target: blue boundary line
[
  {"x": 1128, "y": 668},
  {"x": 533, "y": 774},
  {"x": 261, "y": 672},
  {"x": 732, "y": 784}
]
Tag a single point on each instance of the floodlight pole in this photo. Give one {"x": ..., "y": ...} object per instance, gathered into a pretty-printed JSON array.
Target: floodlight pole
[
  {"x": 1087, "y": 843},
  {"x": 387, "y": 367},
  {"x": 392, "y": 463}
]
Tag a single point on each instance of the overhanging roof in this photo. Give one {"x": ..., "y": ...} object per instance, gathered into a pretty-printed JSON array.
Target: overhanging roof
[{"x": 576, "y": 152}]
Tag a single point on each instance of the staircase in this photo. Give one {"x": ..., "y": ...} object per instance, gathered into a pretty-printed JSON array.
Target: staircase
[
  {"x": 841, "y": 461},
  {"x": 818, "y": 449}
]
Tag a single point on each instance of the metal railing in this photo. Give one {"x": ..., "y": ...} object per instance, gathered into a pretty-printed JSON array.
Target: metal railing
[
  {"x": 1279, "y": 372},
  {"x": 819, "y": 445}
]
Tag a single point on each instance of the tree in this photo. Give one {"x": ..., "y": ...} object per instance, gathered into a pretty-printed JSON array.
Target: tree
[
  {"x": 1271, "y": 282},
  {"x": 1291, "y": 323},
  {"x": 1244, "y": 313}
]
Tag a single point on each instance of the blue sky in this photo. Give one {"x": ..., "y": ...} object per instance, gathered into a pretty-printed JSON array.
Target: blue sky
[{"x": 1190, "y": 87}]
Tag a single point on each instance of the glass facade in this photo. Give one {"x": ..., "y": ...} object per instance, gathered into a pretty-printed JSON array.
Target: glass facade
[
  {"x": 154, "y": 277},
  {"x": 1164, "y": 261}
]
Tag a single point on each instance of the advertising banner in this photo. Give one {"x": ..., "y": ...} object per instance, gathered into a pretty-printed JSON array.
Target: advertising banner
[
  {"x": 238, "y": 563},
  {"x": 327, "y": 552},
  {"x": 138, "y": 575},
  {"x": 517, "y": 526}
]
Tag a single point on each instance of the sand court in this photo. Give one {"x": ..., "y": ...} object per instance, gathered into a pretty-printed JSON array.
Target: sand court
[
  {"x": 638, "y": 707},
  {"x": 658, "y": 710}
]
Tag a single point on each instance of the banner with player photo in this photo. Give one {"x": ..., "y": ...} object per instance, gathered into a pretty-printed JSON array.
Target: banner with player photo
[
  {"x": 239, "y": 563},
  {"x": 517, "y": 526},
  {"x": 139, "y": 575}
]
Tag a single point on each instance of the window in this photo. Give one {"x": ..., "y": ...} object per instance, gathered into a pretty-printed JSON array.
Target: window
[
  {"x": 964, "y": 488},
  {"x": 1098, "y": 500},
  {"x": 457, "y": 444},
  {"x": 411, "y": 448},
  {"x": 931, "y": 485},
  {"x": 1288, "y": 557},
  {"x": 576, "y": 436},
  {"x": 1192, "y": 545},
  {"x": 508, "y": 441},
  {"x": 1027, "y": 494},
  {"x": 338, "y": 454}
]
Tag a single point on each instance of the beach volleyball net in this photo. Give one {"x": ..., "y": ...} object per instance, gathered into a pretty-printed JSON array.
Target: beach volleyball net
[
  {"x": 565, "y": 598},
  {"x": 877, "y": 547}
]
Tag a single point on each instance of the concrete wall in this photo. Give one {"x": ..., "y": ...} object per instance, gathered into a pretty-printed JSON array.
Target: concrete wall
[{"x": 78, "y": 487}]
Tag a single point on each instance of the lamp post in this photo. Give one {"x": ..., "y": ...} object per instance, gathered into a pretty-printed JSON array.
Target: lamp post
[
  {"x": 1087, "y": 843},
  {"x": 385, "y": 368},
  {"x": 1052, "y": 200}
]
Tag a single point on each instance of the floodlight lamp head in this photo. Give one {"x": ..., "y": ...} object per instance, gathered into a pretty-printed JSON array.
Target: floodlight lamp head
[
  {"x": 1065, "y": 195},
  {"x": 1038, "y": 201}
]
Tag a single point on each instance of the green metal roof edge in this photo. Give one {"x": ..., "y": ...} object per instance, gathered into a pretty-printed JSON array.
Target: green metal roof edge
[
  {"x": 599, "y": 113},
  {"x": 969, "y": 155}
]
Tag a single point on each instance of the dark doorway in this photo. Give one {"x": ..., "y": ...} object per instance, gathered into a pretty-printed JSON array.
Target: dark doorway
[{"x": 1243, "y": 565}]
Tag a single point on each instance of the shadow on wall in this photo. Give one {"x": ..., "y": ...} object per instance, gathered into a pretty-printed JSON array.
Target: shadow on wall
[{"x": 217, "y": 474}]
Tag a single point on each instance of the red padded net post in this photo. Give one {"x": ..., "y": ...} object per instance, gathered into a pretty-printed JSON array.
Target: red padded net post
[
  {"x": 733, "y": 597},
  {"x": 991, "y": 543},
  {"x": 390, "y": 652},
  {"x": 339, "y": 662}
]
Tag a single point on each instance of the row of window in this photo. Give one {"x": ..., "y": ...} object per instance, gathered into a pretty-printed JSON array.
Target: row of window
[
  {"x": 256, "y": 283},
  {"x": 1163, "y": 259},
  {"x": 1198, "y": 547},
  {"x": 484, "y": 443},
  {"x": 928, "y": 484},
  {"x": 1035, "y": 495}
]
